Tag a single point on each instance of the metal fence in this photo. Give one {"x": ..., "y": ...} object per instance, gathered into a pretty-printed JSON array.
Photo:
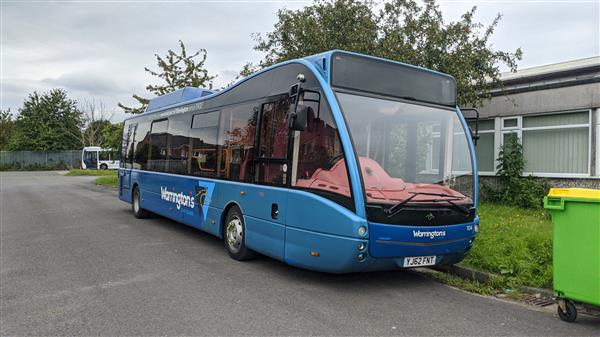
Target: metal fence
[{"x": 49, "y": 159}]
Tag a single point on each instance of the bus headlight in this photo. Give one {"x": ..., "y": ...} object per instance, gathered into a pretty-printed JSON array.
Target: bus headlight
[
  {"x": 362, "y": 246},
  {"x": 476, "y": 228},
  {"x": 362, "y": 230},
  {"x": 361, "y": 257}
]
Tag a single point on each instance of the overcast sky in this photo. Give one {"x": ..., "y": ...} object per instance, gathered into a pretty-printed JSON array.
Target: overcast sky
[{"x": 99, "y": 50}]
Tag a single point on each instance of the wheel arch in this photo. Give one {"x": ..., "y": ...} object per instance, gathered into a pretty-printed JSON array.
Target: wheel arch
[
  {"x": 226, "y": 209},
  {"x": 133, "y": 187}
]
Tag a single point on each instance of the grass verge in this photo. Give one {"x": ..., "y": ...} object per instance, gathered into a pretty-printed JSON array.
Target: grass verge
[
  {"x": 515, "y": 244},
  {"x": 107, "y": 180},
  {"x": 78, "y": 172}
]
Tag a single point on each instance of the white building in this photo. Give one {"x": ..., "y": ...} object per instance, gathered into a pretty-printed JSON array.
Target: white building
[{"x": 555, "y": 111}]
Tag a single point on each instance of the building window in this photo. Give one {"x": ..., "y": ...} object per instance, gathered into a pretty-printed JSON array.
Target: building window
[
  {"x": 553, "y": 144},
  {"x": 557, "y": 144},
  {"x": 512, "y": 122},
  {"x": 484, "y": 150}
]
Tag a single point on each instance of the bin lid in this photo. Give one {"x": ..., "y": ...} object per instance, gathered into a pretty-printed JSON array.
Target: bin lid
[{"x": 580, "y": 193}]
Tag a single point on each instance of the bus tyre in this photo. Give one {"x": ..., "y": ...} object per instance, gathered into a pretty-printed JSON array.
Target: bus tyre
[
  {"x": 104, "y": 167},
  {"x": 234, "y": 233},
  {"x": 138, "y": 211}
]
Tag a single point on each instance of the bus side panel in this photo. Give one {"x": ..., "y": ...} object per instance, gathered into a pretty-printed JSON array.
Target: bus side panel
[
  {"x": 209, "y": 223},
  {"x": 205, "y": 215},
  {"x": 322, "y": 252},
  {"x": 322, "y": 235},
  {"x": 265, "y": 237},
  {"x": 265, "y": 212},
  {"x": 171, "y": 196},
  {"x": 311, "y": 212}
]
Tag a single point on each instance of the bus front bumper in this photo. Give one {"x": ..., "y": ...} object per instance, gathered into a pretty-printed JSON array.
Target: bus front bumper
[
  {"x": 386, "y": 247},
  {"x": 390, "y": 241}
]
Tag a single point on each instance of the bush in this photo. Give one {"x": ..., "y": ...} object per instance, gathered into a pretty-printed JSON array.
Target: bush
[
  {"x": 513, "y": 188},
  {"x": 16, "y": 166},
  {"x": 529, "y": 192}
]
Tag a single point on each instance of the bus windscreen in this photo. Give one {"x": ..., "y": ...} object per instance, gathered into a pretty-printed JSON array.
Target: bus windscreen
[{"x": 387, "y": 78}]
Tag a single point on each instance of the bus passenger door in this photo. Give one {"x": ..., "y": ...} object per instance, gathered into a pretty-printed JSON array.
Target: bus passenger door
[
  {"x": 125, "y": 172},
  {"x": 266, "y": 234}
]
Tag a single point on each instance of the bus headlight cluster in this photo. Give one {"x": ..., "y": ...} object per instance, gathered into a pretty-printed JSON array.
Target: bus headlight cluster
[
  {"x": 362, "y": 246},
  {"x": 361, "y": 256},
  {"x": 362, "y": 230}
]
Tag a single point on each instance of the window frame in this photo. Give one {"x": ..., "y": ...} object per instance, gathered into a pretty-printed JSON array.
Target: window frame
[
  {"x": 519, "y": 130},
  {"x": 493, "y": 132}
]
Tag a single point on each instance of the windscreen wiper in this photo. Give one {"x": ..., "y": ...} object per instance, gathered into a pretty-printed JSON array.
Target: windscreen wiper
[
  {"x": 391, "y": 211},
  {"x": 454, "y": 205}
]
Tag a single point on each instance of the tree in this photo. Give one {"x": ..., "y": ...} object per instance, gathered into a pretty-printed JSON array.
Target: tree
[
  {"x": 6, "y": 126},
  {"x": 95, "y": 119},
  {"x": 401, "y": 30},
  {"x": 112, "y": 134},
  {"x": 47, "y": 122},
  {"x": 176, "y": 71}
]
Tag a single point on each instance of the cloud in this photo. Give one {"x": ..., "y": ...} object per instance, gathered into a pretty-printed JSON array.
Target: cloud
[
  {"x": 548, "y": 32},
  {"x": 99, "y": 50},
  {"x": 90, "y": 83}
]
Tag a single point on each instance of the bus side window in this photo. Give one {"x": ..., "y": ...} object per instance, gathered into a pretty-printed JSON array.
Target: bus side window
[
  {"x": 237, "y": 129},
  {"x": 203, "y": 143},
  {"x": 104, "y": 155},
  {"x": 272, "y": 165},
  {"x": 157, "y": 158},
  {"x": 179, "y": 151},
  {"x": 142, "y": 144},
  {"x": 127, "y": 145},
  {"x": 320, "y": 159}
]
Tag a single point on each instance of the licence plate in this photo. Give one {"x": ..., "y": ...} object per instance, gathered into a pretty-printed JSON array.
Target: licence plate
[{"x": 419, "y": 261}]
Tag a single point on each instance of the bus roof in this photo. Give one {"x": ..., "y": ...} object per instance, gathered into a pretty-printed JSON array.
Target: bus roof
[
  {"x": 320, "y": 61},
  {"x": 177, "y": 96}
]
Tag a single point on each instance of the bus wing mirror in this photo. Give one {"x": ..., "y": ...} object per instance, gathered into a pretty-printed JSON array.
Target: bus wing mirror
[
  {"x": 475, "y": 120},
  {"x": 294, "y": 91},
  {"x": 474, "y": 136},
  {"x": 299, "y": 118}
]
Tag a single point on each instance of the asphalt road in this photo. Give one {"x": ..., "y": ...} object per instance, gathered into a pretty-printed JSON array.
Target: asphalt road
[{"x": 74, "y": 261}]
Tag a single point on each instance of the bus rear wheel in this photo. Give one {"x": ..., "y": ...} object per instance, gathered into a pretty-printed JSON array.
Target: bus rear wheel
[
  {"x": 138, "y": 211},
  {"x": 234, "y": 233},
  {"x": 104, "y": 167}
]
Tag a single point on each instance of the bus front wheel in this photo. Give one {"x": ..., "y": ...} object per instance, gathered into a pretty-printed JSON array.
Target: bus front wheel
[
  {"x": 234, "y": 233},
  {"x": 138, "y": 211},
  {"x": 104, "y": 167}
]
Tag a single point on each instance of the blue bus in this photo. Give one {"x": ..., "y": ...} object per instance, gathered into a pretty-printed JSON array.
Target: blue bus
[{"x": 337, "y": 162}]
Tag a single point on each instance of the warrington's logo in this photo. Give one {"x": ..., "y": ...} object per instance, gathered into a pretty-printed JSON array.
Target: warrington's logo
[
  {"x": 429, "y": 234},
  {"x": 179, "y": 199}
]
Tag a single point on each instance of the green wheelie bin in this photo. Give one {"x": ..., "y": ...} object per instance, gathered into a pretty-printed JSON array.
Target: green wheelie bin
[{"x": 575, "y": 248}]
